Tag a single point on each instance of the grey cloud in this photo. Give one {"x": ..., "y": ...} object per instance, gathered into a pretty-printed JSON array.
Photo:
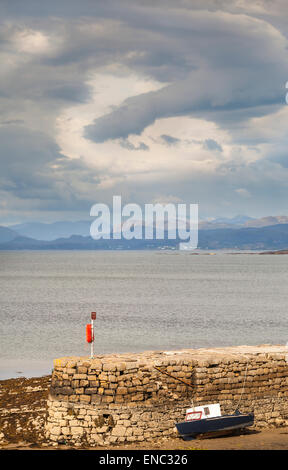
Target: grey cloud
[
  {"x": 277, "y": 153},
  {"x": 200, "y": 95},
  {"x": 228, "y": 79},
  {"x": 211, "y": 144},
  {"x": 12, "y": 122},
  {"x": 75, "y": 9},
  {"x": 215, "y": 192},
  {"x": 77, "y": 93},
  {"x": 34, "y": 169},
  {"x": 281, "y": 159},
  {"x": 168, "y": 45},
  {"x": 129, "y": 146},
  {"x": 169, "y": 140}
]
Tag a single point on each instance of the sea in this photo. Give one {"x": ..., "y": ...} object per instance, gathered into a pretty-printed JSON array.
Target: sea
[{"x": 144, "y": 300}]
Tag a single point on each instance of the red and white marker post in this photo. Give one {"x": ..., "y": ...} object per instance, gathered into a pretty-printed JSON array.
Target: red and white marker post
[{"x": 90, "y": 333}]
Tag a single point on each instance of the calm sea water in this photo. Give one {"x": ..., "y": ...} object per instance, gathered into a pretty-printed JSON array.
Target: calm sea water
[{"x": 144, "y": 301}]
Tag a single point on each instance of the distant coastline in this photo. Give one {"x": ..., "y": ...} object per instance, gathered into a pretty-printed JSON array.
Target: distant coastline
[
  {"x": 273, "y": 238},
  {"x": 278, "y": 252}
]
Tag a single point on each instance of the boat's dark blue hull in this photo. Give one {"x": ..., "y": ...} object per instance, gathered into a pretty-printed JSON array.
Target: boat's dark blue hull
[{"x": 190, "y": 429}]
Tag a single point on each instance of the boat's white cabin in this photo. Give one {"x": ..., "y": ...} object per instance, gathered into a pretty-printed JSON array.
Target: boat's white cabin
[{"x": 203, "y": 412}]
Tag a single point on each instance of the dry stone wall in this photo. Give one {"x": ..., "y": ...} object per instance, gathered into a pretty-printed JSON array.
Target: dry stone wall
[{"x": 115, "y": 399}]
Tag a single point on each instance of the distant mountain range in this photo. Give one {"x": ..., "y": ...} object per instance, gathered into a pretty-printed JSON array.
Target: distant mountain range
[
  {"x": 271, "y": 237},
  {"x": 243, "y": 221},
  {"x": 55, "y": 230}
]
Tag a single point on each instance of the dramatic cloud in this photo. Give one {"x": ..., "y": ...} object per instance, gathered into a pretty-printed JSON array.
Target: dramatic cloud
[
  {"x": 233, "y": 75},
  {"x": 35, "y": 175},
  {"x": 151, "y": 100}
]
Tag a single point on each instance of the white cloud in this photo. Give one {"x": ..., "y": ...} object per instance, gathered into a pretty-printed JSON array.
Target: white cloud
[
  {"x": 32, "y": 42},
  {"x": 243, "y": 192}
]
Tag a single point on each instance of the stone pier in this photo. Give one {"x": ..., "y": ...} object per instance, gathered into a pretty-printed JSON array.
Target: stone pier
[{"x": 124, "y": 398}]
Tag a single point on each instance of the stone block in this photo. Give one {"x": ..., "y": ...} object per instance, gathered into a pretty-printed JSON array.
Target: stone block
[
  {"x": 76, "y": 430},
  {"x": 109, "y": 367},
  {"x": 85, "y": 398},
  {"x": 119, "y": 431}
]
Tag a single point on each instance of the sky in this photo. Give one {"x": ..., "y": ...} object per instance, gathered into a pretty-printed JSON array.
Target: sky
[{"x": 156, "y": 101}]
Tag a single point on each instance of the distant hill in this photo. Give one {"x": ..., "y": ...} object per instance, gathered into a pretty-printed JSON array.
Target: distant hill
[
  {"x": 66, "y": 229},
  {"x": 267, "y": 221},
  {"x": 274, "y": 237},
  {"x": 6, "y": 234},
  {"x": 225, "y": 222},
  {"x": 48, "y": 232},
  {"x": 242, "y": 221}
]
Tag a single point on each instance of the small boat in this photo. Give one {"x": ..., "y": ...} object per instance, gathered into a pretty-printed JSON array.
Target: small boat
[{"x": 207, "y": 419}]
